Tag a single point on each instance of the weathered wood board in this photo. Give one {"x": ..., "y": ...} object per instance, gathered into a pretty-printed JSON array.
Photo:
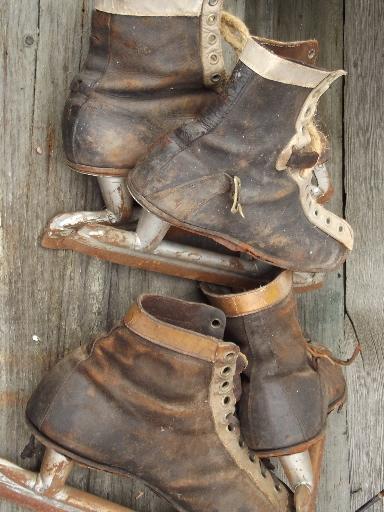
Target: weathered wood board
[
  {"x": 364, "y": 186},
  {"x": 50, "y": 302}
]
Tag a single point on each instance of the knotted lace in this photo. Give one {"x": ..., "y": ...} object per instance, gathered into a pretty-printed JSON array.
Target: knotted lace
[{"x": 321, "y": 352}]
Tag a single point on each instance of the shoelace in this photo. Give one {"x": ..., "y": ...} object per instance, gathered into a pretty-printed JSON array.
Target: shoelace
[
  {"x": 321, "y": 352},
  {"x": 236, "y": 205},
  {"x": 234, "y": 31}
]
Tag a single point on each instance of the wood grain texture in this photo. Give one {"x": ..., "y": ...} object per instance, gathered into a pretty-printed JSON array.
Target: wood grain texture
[{"x": 364, "y": 179}]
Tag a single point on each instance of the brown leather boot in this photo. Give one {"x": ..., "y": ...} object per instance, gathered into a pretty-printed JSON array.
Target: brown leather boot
[
  {"x": 241, "y": 174},
  {"x": 146, "y": 74},
  {"x": 155, "y": 398},
  {"x": 289, "y": 386}
]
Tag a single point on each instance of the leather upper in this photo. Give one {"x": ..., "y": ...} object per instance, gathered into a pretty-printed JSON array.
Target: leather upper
[
  {"x": 286, "y": 393},
  {"x": 143, "y": 78},
  {"x": 241, "y": 137},
  {"x": 147, "y": 400}
]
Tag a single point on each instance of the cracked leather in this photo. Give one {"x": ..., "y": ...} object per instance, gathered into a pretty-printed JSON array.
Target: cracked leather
[
  {"x": 188, "y": 178},
  {"x": 286, "y": 394},
  {"x": 143, "y": 78}
]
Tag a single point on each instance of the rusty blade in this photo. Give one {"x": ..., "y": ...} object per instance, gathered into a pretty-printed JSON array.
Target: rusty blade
[{"x": 24, "y": 488}]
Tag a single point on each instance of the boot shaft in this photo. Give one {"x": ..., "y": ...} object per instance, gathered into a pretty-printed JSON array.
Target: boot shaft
[
  {"x": 149, "y": 70},
  {"x": 140, "y": 50},
  {"x": 284, "y": 403},
  {"x": 264, "y": 322}
]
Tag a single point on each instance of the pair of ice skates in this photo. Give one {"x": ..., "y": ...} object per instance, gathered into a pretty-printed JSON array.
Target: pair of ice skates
[{"x": 247, "y": 177}]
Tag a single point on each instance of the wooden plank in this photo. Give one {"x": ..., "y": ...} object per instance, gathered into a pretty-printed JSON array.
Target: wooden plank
[
  {"x": 322, "y": 312},
  {"x": 364, "y": 172}
]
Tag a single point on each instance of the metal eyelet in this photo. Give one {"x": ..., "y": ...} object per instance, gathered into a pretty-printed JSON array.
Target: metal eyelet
[
  {"x": 214, "y": 59},
  {"x": 311, "y": 54},
  {"x": 224, "y": 387},
  {"x": 211, "y": 20},
  {"x": 225, "y": 371},
  {"x": 216, "y": 323},
  {"x": 230, "y": 356},
  {"x": 213, "y": 2},
  {"x": 212, "y": 38},
  {"x": 226, "y": 400},
  {"x": 263, "y": 470}
]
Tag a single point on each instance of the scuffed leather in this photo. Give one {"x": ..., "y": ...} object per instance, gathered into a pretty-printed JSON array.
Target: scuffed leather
[
  {"x": 134, "y": 406},
  {"x": 143, "y": 78},
  {"x": 286, "y": 395},
  {"x": 188, "y": 179}
]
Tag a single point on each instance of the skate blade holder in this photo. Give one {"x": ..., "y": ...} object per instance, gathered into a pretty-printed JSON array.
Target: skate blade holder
[
  {"x": 303, "y": 471},
  {"x": 94, "y": 234},
  {"x": 47, "y": 491}
]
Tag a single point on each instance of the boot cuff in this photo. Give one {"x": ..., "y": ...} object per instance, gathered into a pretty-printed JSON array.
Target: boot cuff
[
  {"x": 273, "y": 67},
  {"x": 253, "y": 301},
  {"x": 150, "y": 8},
  {"x": 185, "y": 327}
]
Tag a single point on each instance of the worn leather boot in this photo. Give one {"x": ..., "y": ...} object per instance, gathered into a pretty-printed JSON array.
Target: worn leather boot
[
  {"x": 155, "y": 398},
  {"x": 149, "y": 69},
  {"x": 289, "y": 386},
  {"x": 241, "y": 174}
]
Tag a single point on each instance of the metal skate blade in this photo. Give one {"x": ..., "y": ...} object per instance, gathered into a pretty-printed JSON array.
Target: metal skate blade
[
  {"x": 170, "y": 258},
  {"x": 46, "y": 491}
]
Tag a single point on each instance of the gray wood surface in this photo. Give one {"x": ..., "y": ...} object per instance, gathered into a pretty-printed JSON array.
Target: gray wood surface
[
  {"x": 322, "y": 312},
  {"x": 50, "y": 302},
  {"x": 364, "y": 180}
]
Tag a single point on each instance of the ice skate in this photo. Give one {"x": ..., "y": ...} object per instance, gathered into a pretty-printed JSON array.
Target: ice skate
[
  {"x": 116, "y": 112},
  {"x": 154, "y": 399}
]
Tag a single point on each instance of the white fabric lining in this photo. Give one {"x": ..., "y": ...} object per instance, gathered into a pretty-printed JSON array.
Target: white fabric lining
[
  {"x": 150, "y": 7},
  {"x": 272, "y": 67}
]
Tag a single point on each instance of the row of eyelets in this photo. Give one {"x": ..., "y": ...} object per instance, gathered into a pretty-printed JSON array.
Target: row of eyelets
[
  {"x": 212, "y": 21},
  {"x": 226, "y": 401},
  {"x": 317, "y": 211}
]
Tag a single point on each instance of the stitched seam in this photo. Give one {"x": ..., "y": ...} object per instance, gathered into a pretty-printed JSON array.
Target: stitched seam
[
  {"x": 208, "y": 129},
  {"x": 60, "y": 388},
  {"x": 90, "y": 354}
]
